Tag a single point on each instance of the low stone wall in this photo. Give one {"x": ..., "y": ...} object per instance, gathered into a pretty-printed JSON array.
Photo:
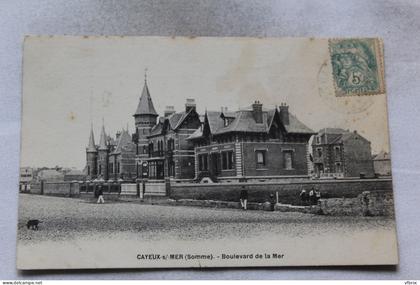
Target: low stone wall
[
  {"x": 288, "y": 192},
  {"x": 62, "y": 189},
  {"x": 376, "y": 203}
]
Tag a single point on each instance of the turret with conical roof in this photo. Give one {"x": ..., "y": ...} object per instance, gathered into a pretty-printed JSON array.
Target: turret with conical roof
[
  {"x": 144, "y": 118},
  {"x": 102, "y": 140},
  {"x": 91, "y": 156},
  {"x": 103, "y": 152}
]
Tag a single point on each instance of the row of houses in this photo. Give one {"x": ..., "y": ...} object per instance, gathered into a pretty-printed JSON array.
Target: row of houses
[
  {"x": 252, "y": 143},
  {"x": 29, "y": 175}
]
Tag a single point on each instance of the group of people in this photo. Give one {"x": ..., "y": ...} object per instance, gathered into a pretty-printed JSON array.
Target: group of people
[{"x": 312, "y": 196}]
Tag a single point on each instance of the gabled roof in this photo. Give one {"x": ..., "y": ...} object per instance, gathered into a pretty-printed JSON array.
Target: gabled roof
[
  {"x": 157, "y": 129},
  {"x": 352, "y": 135},
  {"x": 297, "y": 127},
  {"x": 145, "y": 106},
  {"x": 382, "y": 155},
  {"x": 215, "y": 121},
  {"x": 244, "y": 122},
  {"x": 175, "y": 119},
  {"x": 123, "y": 141},
  {"x": 333, "y": 131},
  {"x": 91, "y": 146},
  {"x": 196, "y": 134},
  {"x": 102, "y": 141},
  {"x": 338, "y": 135}
]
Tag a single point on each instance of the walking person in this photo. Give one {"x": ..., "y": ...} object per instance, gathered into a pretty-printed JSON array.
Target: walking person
[
  {"x": 100, "y": 195},
  {"x": 244, "y": 198}
]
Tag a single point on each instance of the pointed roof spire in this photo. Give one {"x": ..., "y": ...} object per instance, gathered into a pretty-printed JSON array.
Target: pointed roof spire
[
  {"x": 91, "y": 147},
  {"x": 145, "y": 106},
  {"x": 102, "y": 141}
]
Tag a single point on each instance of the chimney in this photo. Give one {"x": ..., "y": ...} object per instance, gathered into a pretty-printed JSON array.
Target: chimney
[
  {"x": 169, "y": 110},
  {"x": 190, "y": 104},
  {"x": 117, "y": 135},
  {"x": 284, "y": 113},
  {"x": 257, "y": 111}
]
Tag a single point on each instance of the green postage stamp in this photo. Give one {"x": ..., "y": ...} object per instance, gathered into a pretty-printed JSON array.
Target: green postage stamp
[{"x": 357, "y": 66}]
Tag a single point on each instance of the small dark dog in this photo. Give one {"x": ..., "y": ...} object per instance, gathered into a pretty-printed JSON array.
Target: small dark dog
[{"x": 33, "y": 224}]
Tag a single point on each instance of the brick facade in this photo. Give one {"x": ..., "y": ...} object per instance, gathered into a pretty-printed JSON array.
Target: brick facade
[{"x": 339, "y": 153}]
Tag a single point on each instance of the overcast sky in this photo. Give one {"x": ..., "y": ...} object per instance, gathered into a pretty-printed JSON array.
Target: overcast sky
[{"x": 71, "y": 82}]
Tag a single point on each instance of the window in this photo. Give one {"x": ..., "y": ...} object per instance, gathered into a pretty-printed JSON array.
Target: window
[
  {"x": 288, "y": 159},
  {"x": 318, "y": 140},
  {"x": 100, "y": 169},
  {"x": 227, "y": 160},
  {"x": 111, "y": 167},
  {"x": 337, "y": 151},
  {"x": 260, "y": 158},
  {"x": 202, "y": 162},
  {"x": 319, "y": 152},
  {"x": 170, "y": 144},
  {"x": 88, "y": 170},
  {"x": 118, "y": 167},
  {"x": 338, "y": 168}
]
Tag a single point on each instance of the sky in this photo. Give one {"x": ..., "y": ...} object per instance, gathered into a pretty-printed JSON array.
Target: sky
[{"x": 71, "y": 83}]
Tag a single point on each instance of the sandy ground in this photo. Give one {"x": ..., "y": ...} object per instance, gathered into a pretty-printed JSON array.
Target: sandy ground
[{"x": 81, "y": 228}]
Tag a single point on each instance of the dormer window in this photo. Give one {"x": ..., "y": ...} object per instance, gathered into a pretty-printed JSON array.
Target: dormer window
[
  {"x": 318, "y": 139},
  {"x": 226, "y": 122}
]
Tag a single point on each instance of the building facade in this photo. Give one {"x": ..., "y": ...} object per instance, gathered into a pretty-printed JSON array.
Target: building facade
[
  {"x": 251, "y": 144},
  {"x": 26, "y": 175},
  {"x": 338, "y": 153},
  {"x": 382, "y": 164},
  {"x": 170, "y": 153},
  {"x": 111, "y": 160}
]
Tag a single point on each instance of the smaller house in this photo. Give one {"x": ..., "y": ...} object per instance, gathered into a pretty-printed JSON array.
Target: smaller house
[
  {"x": 25, "y": 178},
  {"x": 339, "y": 153},
  {"x": 382, "y": 164},
  {"x": 74, "y": 175},
  {"x": 50, "y": 175}
]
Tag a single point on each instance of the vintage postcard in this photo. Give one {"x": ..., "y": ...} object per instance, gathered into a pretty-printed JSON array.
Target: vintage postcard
[{"x": 158, "y": 152}]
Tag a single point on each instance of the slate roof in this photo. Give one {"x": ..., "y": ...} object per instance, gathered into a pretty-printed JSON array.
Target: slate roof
[
  {"x": 91, "y": 146},
  {"x": 244, "y": 122},
  {"x": 175, "y": 120},
  {"x": 102, "y": 140},
  {"x": 382, "y": 156},
  {"x": 157, "y": 129},
  {"x": 338, "y": 135},
  {"x": 297, "y": 127},
  {"x": 123, "y": 141},
  {"x": 145, "y": 106}
]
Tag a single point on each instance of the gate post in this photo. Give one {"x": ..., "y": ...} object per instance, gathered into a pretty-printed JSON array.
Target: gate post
[{"x": 168, "y": 187}]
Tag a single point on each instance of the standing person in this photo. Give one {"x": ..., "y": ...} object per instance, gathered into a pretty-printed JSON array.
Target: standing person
[
  {"x": 312, "y": 196},
  {"x": 303, "y": 196},
  {"x": 317, "y": 195},
  {"x": 272, "y": 202},
  {"x": 244, "y": 198},
  {"x": 100, "y": 195}
]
